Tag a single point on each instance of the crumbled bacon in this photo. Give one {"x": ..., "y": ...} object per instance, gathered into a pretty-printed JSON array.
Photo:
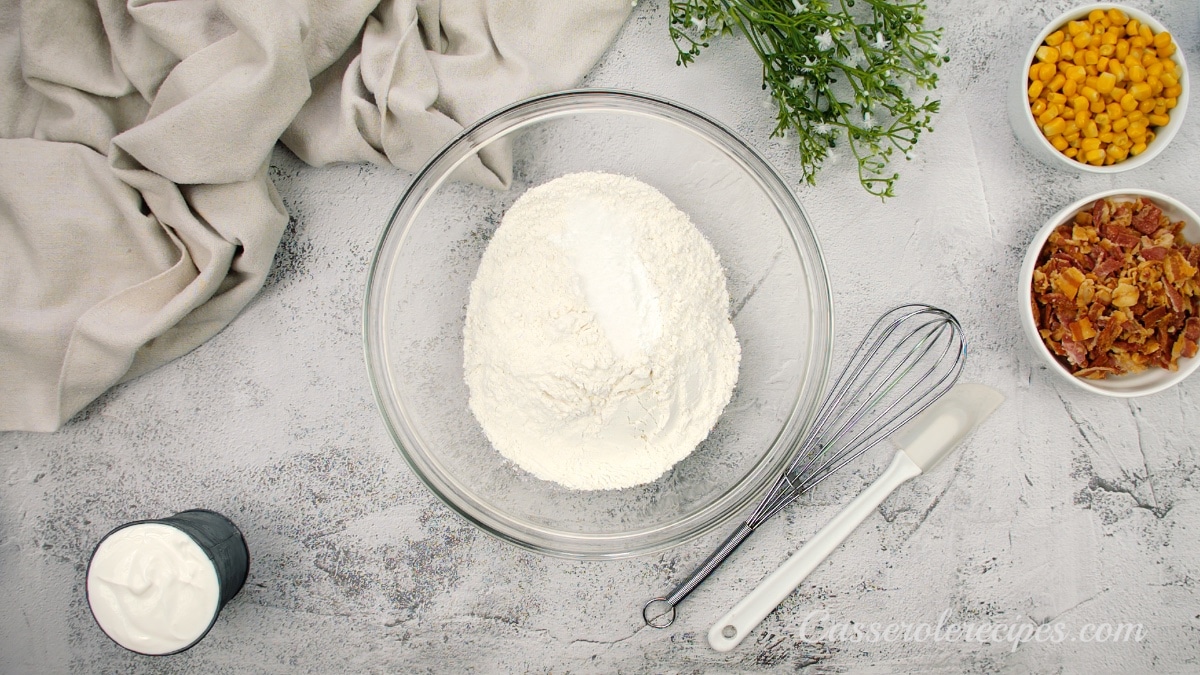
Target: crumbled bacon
[{"x": 1116, "y": 289}]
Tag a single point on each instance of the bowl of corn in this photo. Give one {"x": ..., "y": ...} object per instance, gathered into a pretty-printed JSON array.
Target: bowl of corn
[{"x": 1102, "y": 89}]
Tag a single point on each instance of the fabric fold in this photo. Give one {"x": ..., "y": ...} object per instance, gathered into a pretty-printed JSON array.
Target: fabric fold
[{"x": 137, "y": 218}]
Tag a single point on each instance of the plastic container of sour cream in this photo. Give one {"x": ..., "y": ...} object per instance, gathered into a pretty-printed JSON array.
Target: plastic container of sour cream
[{"x": 156, "y": 587}]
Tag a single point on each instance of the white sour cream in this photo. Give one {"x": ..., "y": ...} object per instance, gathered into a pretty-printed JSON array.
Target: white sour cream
[{"x": 152, "y": 589}]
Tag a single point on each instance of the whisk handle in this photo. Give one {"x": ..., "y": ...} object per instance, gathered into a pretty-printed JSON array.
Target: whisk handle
[
  {"x": 666, "y": 605},
  {"x": 729, "y": 631}
]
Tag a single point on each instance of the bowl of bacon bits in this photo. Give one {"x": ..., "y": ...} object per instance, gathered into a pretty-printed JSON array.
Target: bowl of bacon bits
[{"x": 1110, "y": 291}]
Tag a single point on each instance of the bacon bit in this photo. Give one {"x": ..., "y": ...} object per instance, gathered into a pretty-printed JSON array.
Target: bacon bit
[
  {"x": 1154, "y": 253},
  {"x": 1082, "y": 330},
  {"x": 1177, "y": 268},
  {"x": 1106, "y": 267},
  {"x": 1076, "y": 352},
  {"x": 1067, "y": 282},
  {"x": 1121, "y": 236},
  {"x": 1146, "y": 217},
  {"x": 1189, "y": 348},
  {"x": 1191, "y": 328},
  {"x": 1174, "y": 297},
  {"x": 1095, "y": 372},
  {"x": 1154, "y": 315},
  {"x": 1115, "y": 290}
]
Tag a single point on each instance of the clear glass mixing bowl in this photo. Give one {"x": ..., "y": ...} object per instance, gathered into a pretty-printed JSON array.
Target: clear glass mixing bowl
[{"x": 417, "y": 294}]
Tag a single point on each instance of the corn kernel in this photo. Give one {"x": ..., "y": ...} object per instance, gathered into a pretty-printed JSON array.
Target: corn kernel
[
  {"x": 1172, "y": 102},
  {"x": 1146, "y": 34},
  {"x": 1168, "y": 79},
  {"x": 1172, "y": 93},
  {"x": 1057, "y": 99},
  {"x": 1059, "y": 143},
  {"x": 1168, "y": 66},
  {"x": 1066, "y": 51},
  {"x": 1137, "y": 149},
  {"x": 1103, "y": 120},
  {"x": 1109, "y": 39},
  {"x": 1160, "y": 107},
  {"x": 1106, "y": 137},
  {"x": 1131, "y": 28},
  {"x": 1076, "y": 73},
  {"x": 1117, "y": 17},
  {"x": 1162, "y": 40},
  {"x": 1038, "y": 107},
  {"x": 1137, "y": 130},
  {"x": 1121, "y": 140},
  {"x": 1071, "y": 152},
  {"x": 1090, "y": 57},
  {"x": 1096, "y": 15},
  {"x": 1089, "y": 144},
  {"x": 1056, "y": 82},
  {"x": 1121, "y": 124},
  {"x": 1105, "y": 83},
  {"x": 1138, "y": 91},
  {"x": 1122, "y": 52},
  {"x": 1118, "y": 71},
  {"x": 1035, "y": 89},
  {"x": 1097, "y": 106},
  {"x": 1146, "y": 106},
  {"x": 1128, "y": 102},
  {"x": 1159, "y": 120},
  {"x": 1090, "y": 94},
  {"x": 1076, "y": 27},
  {"x": 1107, "y": 51},
  {"x": 1054, "y": 127},
  {"x": 1050, "y": 113},
  {"x": 1094, "y": 156},
  {"x": 1055, "y": 39},
  {"x": 1154, "y": 69},
  {"x": 1115, "y": 111},
  {"x": 1137, "y": 74},
  {"x": 1047, "y": 54},
  {"x": 1070, "y": 88}
]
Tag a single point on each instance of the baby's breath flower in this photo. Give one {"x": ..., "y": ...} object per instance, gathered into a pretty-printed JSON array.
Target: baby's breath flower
[{"x": 871, "y": 56}]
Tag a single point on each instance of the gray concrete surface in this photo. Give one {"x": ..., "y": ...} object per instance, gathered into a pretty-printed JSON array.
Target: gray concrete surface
[{"x": 1065, "y": 509}]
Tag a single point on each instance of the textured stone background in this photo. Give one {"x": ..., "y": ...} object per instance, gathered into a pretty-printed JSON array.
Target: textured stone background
[{"x": 1065, "y": 507}]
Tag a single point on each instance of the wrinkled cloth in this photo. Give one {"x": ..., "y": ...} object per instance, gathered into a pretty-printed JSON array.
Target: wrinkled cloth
[{"x": 136, "y": 214}]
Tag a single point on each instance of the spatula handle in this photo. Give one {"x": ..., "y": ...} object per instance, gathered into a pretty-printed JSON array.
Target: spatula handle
[{"x": 729, "y": 631}]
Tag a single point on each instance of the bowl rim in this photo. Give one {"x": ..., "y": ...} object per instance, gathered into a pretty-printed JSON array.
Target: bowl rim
[
  {"x": 1187, "y": 366},
  {"x": 1161, "y": 140},
  {"x": 818, "y": 356}
]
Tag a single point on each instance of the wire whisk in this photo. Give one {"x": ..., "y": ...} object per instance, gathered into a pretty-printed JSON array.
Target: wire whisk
[{"x": 909, "y": 358}]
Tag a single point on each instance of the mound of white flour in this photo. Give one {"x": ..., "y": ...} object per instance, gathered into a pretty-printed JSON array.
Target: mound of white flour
[{"x": 598, "y": 346}]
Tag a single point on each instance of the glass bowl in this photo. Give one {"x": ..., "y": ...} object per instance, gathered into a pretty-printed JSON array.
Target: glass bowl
[{"x": 427, "y": 257}]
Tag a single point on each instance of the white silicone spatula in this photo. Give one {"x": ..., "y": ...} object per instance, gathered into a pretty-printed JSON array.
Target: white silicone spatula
[{"x": 924, "y": 442}]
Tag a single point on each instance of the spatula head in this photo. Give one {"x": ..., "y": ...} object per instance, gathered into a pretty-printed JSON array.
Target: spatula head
[{"x": 933, "y": 434}]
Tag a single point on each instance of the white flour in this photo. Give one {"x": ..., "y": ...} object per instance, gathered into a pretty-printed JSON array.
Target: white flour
[{"x": 598, "y": 346}]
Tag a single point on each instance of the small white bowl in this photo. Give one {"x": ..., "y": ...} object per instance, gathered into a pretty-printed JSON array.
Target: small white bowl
[
  {"x": 1149, "y": 381},
  {"x": 1026, "y": 128}
]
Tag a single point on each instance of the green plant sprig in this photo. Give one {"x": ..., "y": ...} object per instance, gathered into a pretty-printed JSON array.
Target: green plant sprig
[{"x": 834, "y": 69}]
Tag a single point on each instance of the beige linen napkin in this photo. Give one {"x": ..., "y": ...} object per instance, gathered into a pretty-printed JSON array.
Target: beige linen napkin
[{"x": 136, "y": 216}]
